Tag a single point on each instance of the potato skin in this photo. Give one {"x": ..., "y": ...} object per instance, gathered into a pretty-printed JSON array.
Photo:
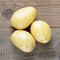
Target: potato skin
[
  {"x": 23, "y": 17},
  {"x": 23, "y": 40},
  {"x": 41, "y": 31}
]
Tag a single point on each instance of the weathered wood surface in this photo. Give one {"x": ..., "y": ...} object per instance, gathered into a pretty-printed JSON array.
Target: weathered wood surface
[
  {"x": 47, "y": 10},
  {"x": 50, "y": 51}
]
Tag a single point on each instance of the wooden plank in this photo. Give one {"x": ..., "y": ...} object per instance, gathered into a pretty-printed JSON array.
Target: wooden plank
[
  {"x": 29, "y": 2},
  {"x": 50, "y": 51},
  {"x": 47, "y": 10}
]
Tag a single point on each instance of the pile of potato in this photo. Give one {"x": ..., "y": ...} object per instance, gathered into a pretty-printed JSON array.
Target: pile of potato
[{"x": 40, "y": 30}]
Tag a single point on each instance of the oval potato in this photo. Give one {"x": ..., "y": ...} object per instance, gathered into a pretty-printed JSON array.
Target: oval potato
[
  {"x": 23, "y": 40},
  {"x": 23, "y": 17},
  {"x": 41, "y": 31}
]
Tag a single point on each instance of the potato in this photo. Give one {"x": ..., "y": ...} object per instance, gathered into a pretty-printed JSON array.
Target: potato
[
  {"x": 23, "y": 40},
  {"x": 23, "y": 17},
  {"x": 41, "y": 31}
]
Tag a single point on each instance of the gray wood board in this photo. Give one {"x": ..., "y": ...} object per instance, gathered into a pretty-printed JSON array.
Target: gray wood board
[
  {"x": 50, "y": 51},
  {"x": 47, "y": 10}
]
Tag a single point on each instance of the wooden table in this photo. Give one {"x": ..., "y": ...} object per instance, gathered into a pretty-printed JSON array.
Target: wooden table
[{"x": 47, "y": 10}]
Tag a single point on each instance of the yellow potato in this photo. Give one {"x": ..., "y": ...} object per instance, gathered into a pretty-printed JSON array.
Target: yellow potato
[
  {"x": 23, "y": 40},
  {"x": 23, "y": 17},
  {"x": 41, "y": 31}
]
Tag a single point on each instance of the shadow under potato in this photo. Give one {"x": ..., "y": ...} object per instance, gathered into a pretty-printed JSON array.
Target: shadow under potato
[
  {"x": 13, "y": 29},
  {"x": 28, "y": 29}
]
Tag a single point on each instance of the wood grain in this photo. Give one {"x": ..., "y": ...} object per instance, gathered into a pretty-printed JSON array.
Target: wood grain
[
  {"x": 48, "y": 51},
  {"x": 47, "y": 10}
]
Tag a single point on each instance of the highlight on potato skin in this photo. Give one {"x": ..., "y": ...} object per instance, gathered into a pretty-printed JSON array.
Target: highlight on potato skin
[
  {"x": 41, "y": 31},
  {"x": 23, "y": 17},
  {"x": 23, "y": 40}
]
